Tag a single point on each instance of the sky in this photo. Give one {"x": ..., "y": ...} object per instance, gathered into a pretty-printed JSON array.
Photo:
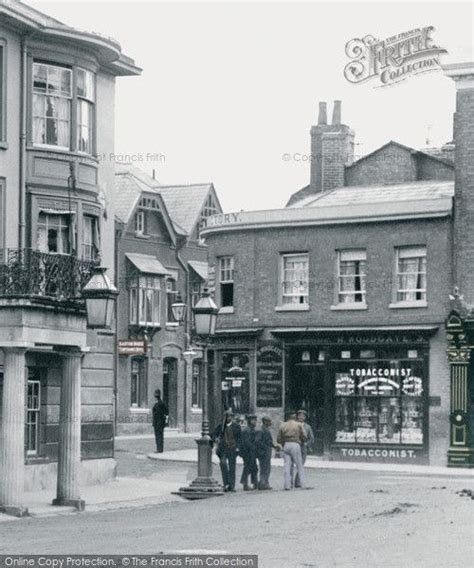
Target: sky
[{"x": 230, "y": 89}]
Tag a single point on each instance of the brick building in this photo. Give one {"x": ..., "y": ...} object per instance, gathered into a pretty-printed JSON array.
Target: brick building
[
  {"x": 159, "y": 254},
  {"x": 338, "y": 303}
]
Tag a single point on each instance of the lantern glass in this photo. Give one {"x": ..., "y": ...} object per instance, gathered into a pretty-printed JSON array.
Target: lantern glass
[
  {"x": 205, "y": 315},
  {"x": 179, "y": 310},
  {"x": 99, "y": 294}
]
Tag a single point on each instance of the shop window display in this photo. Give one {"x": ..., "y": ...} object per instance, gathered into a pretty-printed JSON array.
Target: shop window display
[{"x": 379, "y": 401}]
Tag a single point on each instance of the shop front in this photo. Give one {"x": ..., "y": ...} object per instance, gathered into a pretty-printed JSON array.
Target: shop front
[{"x": 365, "y": 394}]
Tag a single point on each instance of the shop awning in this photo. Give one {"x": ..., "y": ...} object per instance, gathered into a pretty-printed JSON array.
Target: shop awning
[
  {"x": 200, "y": 268},
  {"x": 147, "y": 264},
  {"x": 239, "y": 331}
]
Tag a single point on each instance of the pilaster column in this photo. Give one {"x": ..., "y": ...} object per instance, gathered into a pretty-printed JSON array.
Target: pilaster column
[
  {"x": 12, "y": 442},
  {"x": 461, "y": 450},
  {"x": 69, "y": 457}
]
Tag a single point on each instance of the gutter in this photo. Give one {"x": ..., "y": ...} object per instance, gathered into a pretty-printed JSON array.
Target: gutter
[
  {"x": 187, "y": 329},
  {"x": 22, "y": 171}
]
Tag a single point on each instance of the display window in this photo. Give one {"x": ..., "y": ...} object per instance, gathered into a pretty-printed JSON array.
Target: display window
[
  {"x": 235, "y": 382},
  {"x": 379, "y": 401}
]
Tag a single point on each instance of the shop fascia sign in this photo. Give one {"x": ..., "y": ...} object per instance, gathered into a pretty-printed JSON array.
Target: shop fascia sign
[{"x": 132, "y": 346}]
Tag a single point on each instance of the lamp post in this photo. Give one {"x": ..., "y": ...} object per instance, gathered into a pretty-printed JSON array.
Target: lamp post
[
  {"x": 204, "y": 486},
  {"x": 99, "y": 294}
]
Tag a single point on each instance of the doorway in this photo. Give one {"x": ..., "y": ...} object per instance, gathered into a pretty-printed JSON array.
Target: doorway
[
  {"x": 306, "y": 390},
  {"x": 170, "y": 389}
]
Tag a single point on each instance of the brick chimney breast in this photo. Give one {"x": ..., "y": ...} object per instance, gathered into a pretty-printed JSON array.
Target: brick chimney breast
[{"x": 332, "y": 147}]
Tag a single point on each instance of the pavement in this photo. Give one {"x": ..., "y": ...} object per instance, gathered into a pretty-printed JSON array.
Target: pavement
[{"x": 146, "y": 479}]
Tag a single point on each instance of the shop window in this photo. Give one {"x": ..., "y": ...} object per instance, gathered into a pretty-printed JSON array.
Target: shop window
[
  {"x": 140, "y": 223},
  {"x": 411, "y": 274},
  {"x": 85, "y": 110},
  {"x": 351, "y": 276},
  {"x": 171, "y": 295},
  {"x": 145, "y": 294},
  {"x": 196, "y": 387},
  {"x": 90, "y": 238},
  {"x": 380, "y": 401},
  {"x": 52, "y": 94},
  {"x": 226, "y": 281},
  {"x": 235, "y": 382},
  {"x": 138, "y": 384},
  {"x": 54, "y": 233},
  {"x": 33, "y": 410},
  {"x": 294, "y": 279}
]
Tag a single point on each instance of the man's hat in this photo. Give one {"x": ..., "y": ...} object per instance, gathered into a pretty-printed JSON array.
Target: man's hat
[
  {"x": 251, "y": 416},
  {"x": 228, "y": 412},
  {"x": 266, "y": 419},
  {"x": 302, "y": 412},
  {"x": 157, "y": 393}
]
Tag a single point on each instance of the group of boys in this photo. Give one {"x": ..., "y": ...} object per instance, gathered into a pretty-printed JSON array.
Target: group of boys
[{"x": 255, "y": 446}]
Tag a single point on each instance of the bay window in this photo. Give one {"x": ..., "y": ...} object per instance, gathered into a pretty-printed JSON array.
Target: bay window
[
  {"x": 294, "y": 279},
  {"x": 85, "y": 110},
  {"x": 145, "y": 294},
  {"x": 52, "y": 94},
  {"x": 54, "y": 233},
  {"x": 53, "y": 97},
  {"x": 90, "y": 237}
]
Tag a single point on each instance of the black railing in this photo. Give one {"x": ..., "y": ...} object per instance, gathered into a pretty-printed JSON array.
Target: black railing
[{"x": 30, "y": 273}]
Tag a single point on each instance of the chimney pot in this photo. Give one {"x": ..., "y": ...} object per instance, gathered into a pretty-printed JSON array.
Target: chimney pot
[
  {"x": 323, "y": 116},
  {"x": 336, "y": 113}
]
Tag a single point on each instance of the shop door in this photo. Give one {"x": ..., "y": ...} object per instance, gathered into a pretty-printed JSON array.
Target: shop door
[{"x": 307, "y": 391}]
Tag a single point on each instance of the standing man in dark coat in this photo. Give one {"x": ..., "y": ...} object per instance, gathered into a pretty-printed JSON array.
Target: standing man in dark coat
[
  {"x": 227, "y": 437},
  {"x": 264, "y": 445},
  {"x": 248, "y": 452},
  {"x": 160, "y": 418}
]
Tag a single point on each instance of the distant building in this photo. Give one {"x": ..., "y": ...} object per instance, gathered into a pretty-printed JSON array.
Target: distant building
[
  {"x": 57, "y": 87},
  {"x": 338, "y": 303},
  {"x": 159, "y": 255}
]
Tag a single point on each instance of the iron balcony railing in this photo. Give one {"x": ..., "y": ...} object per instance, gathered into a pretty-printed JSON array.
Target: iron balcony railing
[{"x": 56, "y": 277}]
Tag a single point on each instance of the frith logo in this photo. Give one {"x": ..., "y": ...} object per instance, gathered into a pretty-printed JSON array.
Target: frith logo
[{"x": 394, "y": 59}]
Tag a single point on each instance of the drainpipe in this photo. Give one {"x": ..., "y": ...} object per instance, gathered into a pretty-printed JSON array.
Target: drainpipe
[
  {"x": 22, "y": 172},
  {"x": 187, "y": 331}
]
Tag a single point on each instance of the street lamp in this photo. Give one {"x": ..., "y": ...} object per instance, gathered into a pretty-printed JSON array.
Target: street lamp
[
  {"x": 179, "y": 309},
  {"x": 205, "y": 316},
  {"x": 99, "y": 294}
]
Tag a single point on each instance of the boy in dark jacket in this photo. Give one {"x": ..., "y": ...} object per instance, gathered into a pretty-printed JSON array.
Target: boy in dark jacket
[
  {"x": 264, "y": 445},
  {"x": 248, "y": 453},
  {"x": 227, "y": 437}
]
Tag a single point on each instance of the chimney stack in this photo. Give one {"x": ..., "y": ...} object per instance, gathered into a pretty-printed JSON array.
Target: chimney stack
[
  {"x": 323, "y": 114},
  {"x": 336, "y": 113},
  {"x": 332, "y": 147}
]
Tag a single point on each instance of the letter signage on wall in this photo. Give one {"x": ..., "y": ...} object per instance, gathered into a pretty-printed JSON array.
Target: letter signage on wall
[{"x": 269, "y": 376}]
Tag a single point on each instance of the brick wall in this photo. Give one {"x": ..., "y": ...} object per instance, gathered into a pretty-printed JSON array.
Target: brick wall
[
  {"x": 464, "y": 198},
  {"x": 257, "y": 257}
]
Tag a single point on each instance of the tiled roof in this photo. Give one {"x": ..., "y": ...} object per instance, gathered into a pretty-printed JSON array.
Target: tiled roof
[
  {"x": 360, "y": 195},
  {"x": 184, "y": 202},
  {"x": 126, "y": 195}
]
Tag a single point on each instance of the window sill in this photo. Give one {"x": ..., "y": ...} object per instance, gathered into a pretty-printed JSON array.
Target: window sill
[
  {"x": 226, "y": 310},
  {"x": 172, "y": 326},
  {"x": 3, "y": 145},
  {"x": 349, "y": 307},
  {"x": 293, "y": 308},
  {"x": 36, "y": 460},
  {"x": 405, "y": 305},
  {"x": 62, "y": 150},
  {"x": 139, "y": 410},
  {"x": 196, "y": 410},
  {"x": 142, "y": 236}
]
